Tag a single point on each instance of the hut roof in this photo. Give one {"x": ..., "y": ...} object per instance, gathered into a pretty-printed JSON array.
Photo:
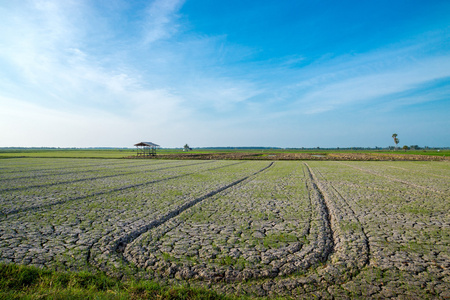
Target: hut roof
[{"x": 149, "y": 144}]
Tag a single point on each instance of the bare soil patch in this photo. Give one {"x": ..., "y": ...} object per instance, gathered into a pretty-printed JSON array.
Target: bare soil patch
[{"x": 300, "y": 156}]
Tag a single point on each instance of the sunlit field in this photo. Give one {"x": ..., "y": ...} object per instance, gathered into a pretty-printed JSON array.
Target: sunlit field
[{"x": 259, "y": 228}]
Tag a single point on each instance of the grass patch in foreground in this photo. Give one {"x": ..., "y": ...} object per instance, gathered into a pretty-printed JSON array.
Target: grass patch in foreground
[{"x": 26, "y": 282}]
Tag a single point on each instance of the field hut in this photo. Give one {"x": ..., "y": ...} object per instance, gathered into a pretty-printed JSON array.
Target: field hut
[{"x": 146, "y": 149}]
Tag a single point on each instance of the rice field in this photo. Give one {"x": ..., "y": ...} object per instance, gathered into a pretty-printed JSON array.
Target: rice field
[{"x": 263, "y": 228}]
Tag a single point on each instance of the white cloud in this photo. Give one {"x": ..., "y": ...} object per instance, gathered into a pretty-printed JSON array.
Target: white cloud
[
  {"x": 160, "y": 21},
  {"x": 359, "y": 88},
  {"x": 220, "y": 95}
]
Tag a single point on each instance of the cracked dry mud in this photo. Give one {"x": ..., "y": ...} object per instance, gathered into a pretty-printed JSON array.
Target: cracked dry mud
[{"x": 302, "y": 229}]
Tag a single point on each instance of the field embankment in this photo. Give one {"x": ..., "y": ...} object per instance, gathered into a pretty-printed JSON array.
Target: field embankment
[
  {"x": 321, "y": 156},
  {"x": 236, "y": 154}
]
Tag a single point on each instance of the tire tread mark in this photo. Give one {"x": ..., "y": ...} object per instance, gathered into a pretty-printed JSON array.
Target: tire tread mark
[
  {"x": 63, "y": 168},
  {"x": 36, "y": 207},
  {"x": 343, "y": 200},
  {"x": 75, "y": 172},
  {"x": 91, "y": 178},
  {"x": 353, "y": 241},
  {"x": 118, "y": 246},
  {"x": 326, "y": 213}
]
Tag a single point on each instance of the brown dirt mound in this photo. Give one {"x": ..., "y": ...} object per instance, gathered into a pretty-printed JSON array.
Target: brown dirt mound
[{"x": 300, "y": 156}]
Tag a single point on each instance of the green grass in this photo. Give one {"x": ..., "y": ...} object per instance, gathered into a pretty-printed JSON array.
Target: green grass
[
  {"x": 278, "y": 240},
  {"x": 66, "y": 153},
  {"x": 416, "y": 210},
  {"x": 349, "y": 226},
  {"x": 415, "y": 152},
  {"x": 25, "y": 282},
  {"x": 239, "y": 263}
]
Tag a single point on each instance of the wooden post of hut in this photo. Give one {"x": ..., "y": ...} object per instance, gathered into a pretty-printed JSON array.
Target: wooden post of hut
[{"x": 146, "y": 149}]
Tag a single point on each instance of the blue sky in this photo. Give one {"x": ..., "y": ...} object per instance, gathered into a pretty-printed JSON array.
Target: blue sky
[{"x": 224, "y": 73}]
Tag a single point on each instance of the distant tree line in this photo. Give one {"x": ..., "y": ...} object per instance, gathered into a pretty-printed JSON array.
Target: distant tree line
[{"x": 412, "y": 147}]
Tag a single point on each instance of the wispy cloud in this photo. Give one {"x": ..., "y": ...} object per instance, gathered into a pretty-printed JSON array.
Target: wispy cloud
[
  {"x": 160, "y": 21},
  {"x": 356, "y": 81}
]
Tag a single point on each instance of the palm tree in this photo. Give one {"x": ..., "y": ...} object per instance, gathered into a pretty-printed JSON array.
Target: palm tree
[
  {"x": 396, "y": 140},
  {"x": 186, "y": 148}
]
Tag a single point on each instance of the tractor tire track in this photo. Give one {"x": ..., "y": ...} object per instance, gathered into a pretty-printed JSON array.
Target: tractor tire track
[
  {"x": 341, "y": 260},
  {"x": 323, "y": 245},
  {"x": 65, "y": 167},
  {"x": 348, "y": 232},
  {"x": 92, "y": 178},
  {"x": 47, "y": 205},
  {"x": 335, "y": 258},
  {"x": 78, "y": 172},
  {"x": 352, "y": 217},
  {"x": 296, "y": 257},
  {"x": 114, "y": 248}
]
